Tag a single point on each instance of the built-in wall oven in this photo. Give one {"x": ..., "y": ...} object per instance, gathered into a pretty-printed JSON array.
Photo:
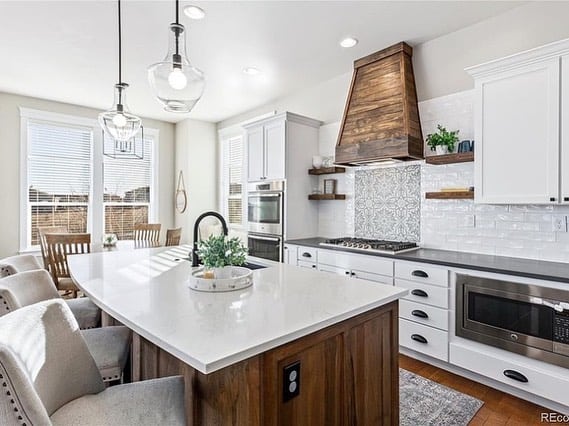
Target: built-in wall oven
[
  {"x": 265, "y": 219},
  {"x": 527, "y": 319}
]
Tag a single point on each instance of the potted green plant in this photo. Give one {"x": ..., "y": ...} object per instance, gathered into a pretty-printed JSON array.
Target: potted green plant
[
  {"x": 219, "y": 251},
  {"x": 442, "y": 141}
]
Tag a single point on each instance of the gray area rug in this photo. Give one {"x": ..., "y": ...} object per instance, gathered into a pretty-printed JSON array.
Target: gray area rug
[{"x": 424, "y": 402}]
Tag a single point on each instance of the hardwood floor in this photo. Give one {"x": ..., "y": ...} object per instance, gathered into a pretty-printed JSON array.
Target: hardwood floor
[{"x": 499, "y": 408}]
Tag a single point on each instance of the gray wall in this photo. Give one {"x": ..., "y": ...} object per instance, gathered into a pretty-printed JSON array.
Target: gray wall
[
  {"x": 10, "y": 169},
  {"x": 439, "y": 64}
]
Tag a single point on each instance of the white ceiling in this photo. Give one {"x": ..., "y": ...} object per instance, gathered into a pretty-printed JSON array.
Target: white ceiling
[{"x": 67, "y": 50}]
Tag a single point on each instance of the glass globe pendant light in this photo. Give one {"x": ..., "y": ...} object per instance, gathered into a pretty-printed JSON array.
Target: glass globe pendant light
[
  {"x": 118, "y": 122},
  {"x": 176, "y": 83}
]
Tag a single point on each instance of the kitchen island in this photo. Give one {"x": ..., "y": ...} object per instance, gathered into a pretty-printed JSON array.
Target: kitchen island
[{"x": 233, "y": 348}]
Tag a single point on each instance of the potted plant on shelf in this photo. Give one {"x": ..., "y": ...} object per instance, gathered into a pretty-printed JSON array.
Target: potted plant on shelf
[
  {"x": 442, "y": 141},
  {"x": 219, "y": 252}
]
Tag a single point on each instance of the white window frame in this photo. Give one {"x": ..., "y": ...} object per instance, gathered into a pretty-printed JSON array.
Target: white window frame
[
  {"x": 224, "y": 136},
  {"x": 96, "y": 210}
]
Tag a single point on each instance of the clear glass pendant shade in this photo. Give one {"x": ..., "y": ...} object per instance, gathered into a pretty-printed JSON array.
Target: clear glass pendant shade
[
  {"x": 176, "y": 83},
  {"x": 118, "y": 122}
]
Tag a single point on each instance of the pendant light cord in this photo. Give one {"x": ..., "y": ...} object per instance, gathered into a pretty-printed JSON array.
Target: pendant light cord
[
  {"x": 177, "y": 23},
  {"x": 120, "y": 44}
]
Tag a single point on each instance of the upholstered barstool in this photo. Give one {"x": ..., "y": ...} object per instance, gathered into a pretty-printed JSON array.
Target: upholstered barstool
[
  {"x": 14, "y": 264},
  {"x": 109, "y": 346},
  {"x": 37, "y": 285},
  {"x": 48, "y": 377}
]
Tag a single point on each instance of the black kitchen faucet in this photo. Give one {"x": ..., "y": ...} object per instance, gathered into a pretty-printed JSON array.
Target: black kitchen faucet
[{"x": 195, "y": 259}]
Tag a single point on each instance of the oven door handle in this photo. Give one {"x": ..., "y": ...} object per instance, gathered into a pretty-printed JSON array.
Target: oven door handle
[
  {"x": 265, "y": 194},
  {"x": 256, "y": 237}
]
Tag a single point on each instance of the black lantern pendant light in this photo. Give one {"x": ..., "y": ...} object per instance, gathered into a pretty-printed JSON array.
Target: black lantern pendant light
[
  {"x": 118, "y": 123},
  {"x": 176, "y": 83}
]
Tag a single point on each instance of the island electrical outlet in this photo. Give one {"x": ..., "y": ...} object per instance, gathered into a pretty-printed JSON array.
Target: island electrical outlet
[{"x": 291, "y": 381}]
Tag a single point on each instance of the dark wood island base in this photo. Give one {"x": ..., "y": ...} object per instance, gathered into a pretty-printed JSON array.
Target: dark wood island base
[{"x": 349, "y": 375}]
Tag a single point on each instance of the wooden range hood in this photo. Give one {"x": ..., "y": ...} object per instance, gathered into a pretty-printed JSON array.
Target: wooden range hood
[{"x": 381, "y": 118}]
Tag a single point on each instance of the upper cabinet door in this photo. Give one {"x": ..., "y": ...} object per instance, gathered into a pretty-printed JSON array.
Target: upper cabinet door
[
  {"x": 255, "y": 154},
  {"x": 275, "y": 137},
  {"x": 564, "y": 129},
  {"x": 517, "y": 135}
]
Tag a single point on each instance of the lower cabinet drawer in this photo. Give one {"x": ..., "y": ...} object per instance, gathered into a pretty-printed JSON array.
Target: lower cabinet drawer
[
  {"x": 304, "y": 264},
  {"x": 424, "y": 314},
  {"x": 307, "y": 254},
  {"x": 551, "y": 384},
  {"x": 424, "y": 339},
  {"x": 425, "y": 293}
]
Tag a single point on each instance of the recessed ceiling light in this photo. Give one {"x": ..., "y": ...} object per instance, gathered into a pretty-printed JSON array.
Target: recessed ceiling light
[
  {"x": 194, "y": 12},
  {"x": 251, "y": 71},
  {"x": 349, "y": 42}
]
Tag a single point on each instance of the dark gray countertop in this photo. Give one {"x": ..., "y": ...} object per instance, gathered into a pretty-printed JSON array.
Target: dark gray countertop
[{"x": 539, "y": 269}]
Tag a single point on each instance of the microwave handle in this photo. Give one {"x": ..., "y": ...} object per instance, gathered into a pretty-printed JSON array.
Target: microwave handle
[{"x": 256, "y": 237}]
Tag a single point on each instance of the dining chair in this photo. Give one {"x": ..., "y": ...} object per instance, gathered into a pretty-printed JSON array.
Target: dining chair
[
  {"x": 49, "y": 377},
  {"x": 173, "y": 237},
  {"x": 59, "y": 246},
  {"x": 109, "y": 346},
  {"x": 42, "y": 230},
  {"x": 149, "y": 232},
  {"x": 14, "y": 264}
]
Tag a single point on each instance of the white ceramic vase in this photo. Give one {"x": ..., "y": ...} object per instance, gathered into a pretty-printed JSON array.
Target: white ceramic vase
[
  {"x": 222, "y": 273},
  {"x": 441, "y": 149},
  {"x": 317, "y": 161}
]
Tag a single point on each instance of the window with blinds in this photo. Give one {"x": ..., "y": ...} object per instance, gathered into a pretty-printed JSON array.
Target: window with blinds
[
  {"x": 233, "y": 180},
  {"x": 127, "y": 185},
  {"x": 59, "y": 177}
]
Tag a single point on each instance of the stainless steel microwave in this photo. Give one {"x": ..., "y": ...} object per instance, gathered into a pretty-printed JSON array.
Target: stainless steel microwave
[{"x": 527, "y": 319}]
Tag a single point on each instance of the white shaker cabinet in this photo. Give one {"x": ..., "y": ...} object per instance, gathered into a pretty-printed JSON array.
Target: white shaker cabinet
[
  {"x": 266, "y": 151},
  {"x": 519, "y": 136}
]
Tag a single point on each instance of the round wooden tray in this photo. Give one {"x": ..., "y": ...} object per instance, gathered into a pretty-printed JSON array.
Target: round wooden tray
[{"x": 240, "y": 278}]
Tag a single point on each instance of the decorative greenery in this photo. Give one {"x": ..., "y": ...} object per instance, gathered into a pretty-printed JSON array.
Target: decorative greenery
[
  {"x": 218, "y": 251},
  {"x": 442, "y": 138}
]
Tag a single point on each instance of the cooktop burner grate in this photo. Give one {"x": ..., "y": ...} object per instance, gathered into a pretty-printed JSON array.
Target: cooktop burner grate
[{"x": 382, "y": 246}]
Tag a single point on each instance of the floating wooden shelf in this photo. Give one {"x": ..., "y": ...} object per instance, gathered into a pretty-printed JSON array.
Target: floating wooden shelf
[
  {"x": 326, "y": 170},
  {"x": 459, "y": 157},
  {"x": 448, "y": 195},
  {"x": 327, "y": 197}
]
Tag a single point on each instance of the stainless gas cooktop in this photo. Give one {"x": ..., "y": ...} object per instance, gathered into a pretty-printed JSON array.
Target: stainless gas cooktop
[{"x": 377, "y": 246}]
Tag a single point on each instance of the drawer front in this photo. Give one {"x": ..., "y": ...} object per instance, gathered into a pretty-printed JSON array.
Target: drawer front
[
  {"x": 548, "y": 384},
  {"x": 427, "y": 340},
  {"x": 424, "y": 314},
  {"x": 333, "y": 270},
  {"x": 381, "y": 279},
  {"x": 308, "y": 254},
  {"x": 360, "y": 262},
  {"x": 422, "y": 273},
  {"x": 303, "y": 264},
  {"x": 425, "y": 293}
]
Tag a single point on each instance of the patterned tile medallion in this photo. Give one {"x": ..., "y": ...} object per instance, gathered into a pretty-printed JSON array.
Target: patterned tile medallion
[{"x": 388, "y": 203}]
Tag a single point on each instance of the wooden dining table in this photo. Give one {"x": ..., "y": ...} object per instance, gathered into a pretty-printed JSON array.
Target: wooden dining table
[{"x": 122, "y": 245}]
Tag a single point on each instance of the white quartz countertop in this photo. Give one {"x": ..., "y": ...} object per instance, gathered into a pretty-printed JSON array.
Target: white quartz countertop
[{"x": 147, "y": 290}]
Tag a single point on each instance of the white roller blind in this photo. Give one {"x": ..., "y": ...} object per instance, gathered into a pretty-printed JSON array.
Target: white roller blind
[
  {"x": 234, "y": 168},
  {"x": 59, "y": 162},
  {"x": 127, "y": 185},
  {"x": 58, "y": 177}
]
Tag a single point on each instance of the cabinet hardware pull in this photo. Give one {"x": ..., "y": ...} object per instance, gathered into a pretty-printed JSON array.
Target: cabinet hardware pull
[
  {"x": 353, "y": 274},
  {"x": 306, "y": 254},
  {"x": 314, "y": 266},
  {"x": 419, "y": 313},
  {"x": 347, "y": 272},
  {"x": 419, "y": 293},
  {"x": 418, "y": 338},
  {"x": 419, "y": 273},
  {"x": 514, "y": 375},
  {"x": 552, "y": 198},
  {"x": 565, "y": 198}
]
